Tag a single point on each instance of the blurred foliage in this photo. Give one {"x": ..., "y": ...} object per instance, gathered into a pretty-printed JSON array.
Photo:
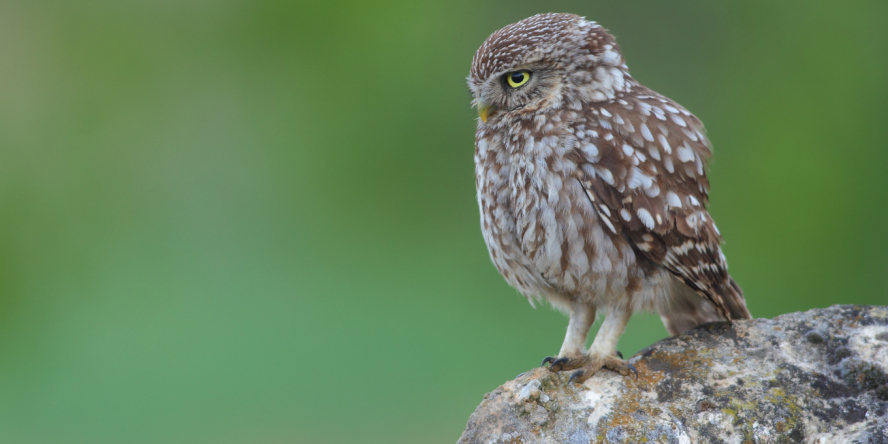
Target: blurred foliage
[{"x": 255, "y": 222}]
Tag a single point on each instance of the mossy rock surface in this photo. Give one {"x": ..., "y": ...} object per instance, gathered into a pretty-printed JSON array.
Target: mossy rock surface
[{"x": 819, "y": 376}]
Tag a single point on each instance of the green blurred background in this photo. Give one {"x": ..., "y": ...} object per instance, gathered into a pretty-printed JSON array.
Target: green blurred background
[{"x": 255, "y": 222}]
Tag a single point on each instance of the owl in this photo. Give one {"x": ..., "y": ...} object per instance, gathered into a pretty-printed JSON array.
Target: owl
[{"x": 593, "y": 190}]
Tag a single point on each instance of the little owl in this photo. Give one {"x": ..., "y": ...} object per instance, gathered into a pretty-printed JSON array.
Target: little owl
[{"x": 593, "y": 189}]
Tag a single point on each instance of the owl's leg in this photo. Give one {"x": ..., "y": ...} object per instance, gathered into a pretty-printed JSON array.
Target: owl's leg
[
  {"x": 581, "y": 318},
  {"x": 603, "y": 352}
]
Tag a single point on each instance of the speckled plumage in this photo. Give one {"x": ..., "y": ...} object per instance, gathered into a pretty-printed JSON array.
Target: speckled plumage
[{"x": 592, "y": 187}]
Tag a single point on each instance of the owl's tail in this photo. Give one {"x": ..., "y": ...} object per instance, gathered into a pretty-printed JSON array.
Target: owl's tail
[
  {"x": 732, "y": 296},
  {"x": 688, "y": 308}
]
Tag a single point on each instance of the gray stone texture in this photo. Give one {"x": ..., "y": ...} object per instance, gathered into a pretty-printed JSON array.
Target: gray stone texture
[{"x": 812, "y": 377}]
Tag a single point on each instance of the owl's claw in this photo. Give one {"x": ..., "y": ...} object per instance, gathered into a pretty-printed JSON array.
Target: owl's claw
[
  {"x": 631, "y": 367},
  {"x": 566, "y": 363},
  {"x": 561, "y": 364},
  {"x": 575, "y": 375}
]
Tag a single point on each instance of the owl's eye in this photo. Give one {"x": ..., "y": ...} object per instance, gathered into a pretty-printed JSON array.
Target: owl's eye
[{"x": 517, "y": 78}]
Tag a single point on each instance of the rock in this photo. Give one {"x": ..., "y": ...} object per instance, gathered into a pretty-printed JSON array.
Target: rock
[
  {"x": 820, "y": 376},
  {"x": 530, "y": 391}
]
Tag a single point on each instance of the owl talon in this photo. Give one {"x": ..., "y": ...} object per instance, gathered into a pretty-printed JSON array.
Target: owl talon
[
  {"x": 631, "y": 367},
  {"x": 566, "y": 363},
  {"x": 619, "y": 354},
  {"x": 559, "y": 364},
  {"x": 576, "y": 375}
]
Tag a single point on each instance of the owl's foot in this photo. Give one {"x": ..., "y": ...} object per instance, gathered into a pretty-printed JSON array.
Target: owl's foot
[{"x": 589, "y": 365}]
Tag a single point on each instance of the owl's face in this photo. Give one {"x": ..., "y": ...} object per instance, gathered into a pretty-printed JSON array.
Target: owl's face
[
  {"x": 518, "y": 90},
  {"x": 533, "y": 65}
]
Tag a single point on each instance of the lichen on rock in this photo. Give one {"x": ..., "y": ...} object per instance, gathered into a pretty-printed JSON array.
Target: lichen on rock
[{"x": 819, "y": 376}]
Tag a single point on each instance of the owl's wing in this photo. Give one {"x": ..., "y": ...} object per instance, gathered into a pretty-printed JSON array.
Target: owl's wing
[{"x": 643, "y": 166}]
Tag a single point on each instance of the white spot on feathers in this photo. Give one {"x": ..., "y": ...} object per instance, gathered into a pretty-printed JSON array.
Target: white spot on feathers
[
  {"x": 619, "y": 81},
  {"x": 678, "y": 120},
  {"x": 609, "y": 224},
  {"x": 673, "y": 200},
  {"x": 605, "y": 175},
  {"x": 667, "y": 162},
  {"x": 610, "y": 56},
  {"x": 685, "y": 154},
  {"x": 645, "y": 216},
  {"x": 646, "y": 133},
  {"x": 637, "y": 179},
  {"x": 627, "y": 150},
  {"x": 652, "y": 191},
  {"x": 598, "y": 96},
  {"x": 693, "y": 221},
  {"x": 627, "y": 216},
  {"x": 654, "y": 152},
  {"x": 664, "y": 143},
  {"x": 590, "y": 150}
]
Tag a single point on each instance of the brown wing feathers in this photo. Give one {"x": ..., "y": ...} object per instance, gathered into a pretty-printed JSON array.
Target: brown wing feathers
[{"x": 649, "y": 183}]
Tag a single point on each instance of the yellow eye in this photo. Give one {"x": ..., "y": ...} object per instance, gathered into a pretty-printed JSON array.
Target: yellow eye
[{"x": 518, "y": 78}]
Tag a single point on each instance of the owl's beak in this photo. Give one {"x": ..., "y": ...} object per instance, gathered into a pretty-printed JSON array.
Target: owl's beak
[{"x": 485, "y": 110}]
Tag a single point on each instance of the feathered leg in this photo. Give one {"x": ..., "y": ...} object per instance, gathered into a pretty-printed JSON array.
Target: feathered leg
[{"x": 581, "y": 318}]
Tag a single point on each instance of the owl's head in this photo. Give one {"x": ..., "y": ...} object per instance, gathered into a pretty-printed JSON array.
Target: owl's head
[{"x": 548, "y": 61}]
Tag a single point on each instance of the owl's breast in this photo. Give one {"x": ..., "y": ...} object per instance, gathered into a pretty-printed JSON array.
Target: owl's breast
[
  {"x": 556, "y": 227},
  {"x": 493, "y": 170},
  {"x": 541, "y": 230}
]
